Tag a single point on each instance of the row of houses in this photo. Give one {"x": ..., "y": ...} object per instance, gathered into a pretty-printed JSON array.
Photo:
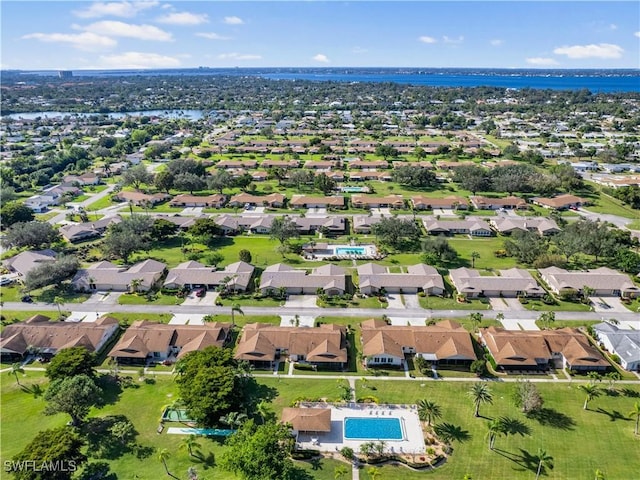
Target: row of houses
[
  {"x": 278, "y": 200},
  {"x": 325, "y": 346}
]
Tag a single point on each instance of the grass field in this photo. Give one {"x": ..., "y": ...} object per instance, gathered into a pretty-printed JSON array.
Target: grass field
[
  {"x": 141, "y": 299},
  {"x": 579, "y": 441}
]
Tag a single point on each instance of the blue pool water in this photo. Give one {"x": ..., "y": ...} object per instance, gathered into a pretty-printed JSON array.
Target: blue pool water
[
  {"x": 372, "y": 429},
  {"x": 350, "y": 251},
  {"x": 353, "y": 189}
]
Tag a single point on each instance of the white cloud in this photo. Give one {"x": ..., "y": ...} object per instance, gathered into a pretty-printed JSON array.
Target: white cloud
[
  {"x": 613, "y": 26},
  {"x": 184, "y": 18},
  {"x": 426, "y": 39},
  {"x": 83, "y": 41},
  {"x": 451, "y": 40},
  {"x": 239, "y": 56},
  {"x": 233, "y": 21},
  {"x": 637, "y": 34},
  {"x": 496, "y": 42},
  {"x": 542, "y": 62},
  {"x": 114, "y": 9},
  {"x": 601, "y": 50},
  {"x": 322, "y": 58},
  {"x": 122, "y": 29},
  {"x": 139, "y": 60},
  {"x": 212, "y": 36}
]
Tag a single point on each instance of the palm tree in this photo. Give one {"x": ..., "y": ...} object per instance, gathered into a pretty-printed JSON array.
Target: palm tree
[
  {"x": 474, "y": 256},
  {"x": 591, "y": 391},
  {"x": 476, "y": 319},
  {"x": 496, "y": 428},
  {"x": 612, "y": 378},
  {"x": 636, "y": 413},
  {"x": 135, "y": 284},
  {"x": 340, "y": 471},
  {"x": 163, "y": 456},
  {"x": 234, "y": 419},
  {"x": 16, "y": 368},
  {"x": 235, "y": 308},
  {"x": 544, "y": 461},
  {"x": 480, "y": 394},
  {"x": 57, "y": 301},
  {"x": 428, "y": 410},
  {"x": 373, "y": 472},
  {"x": 189, "y": 443},
  {"x": 264, "y": 410}
]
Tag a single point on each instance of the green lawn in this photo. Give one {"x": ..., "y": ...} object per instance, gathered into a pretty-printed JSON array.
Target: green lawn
[
  {"x": 539, "y": 305},
  {"x": 129, "y": 318},
  {"x": 442, "y": 303},
  {"x": 635, "y": 225},
  {"x": 248, "y": 300},
  {"x": 607, "y": 204},
  {"x": 579, "y": 441},
  {"x": 13, "y": 293},
  {"x": 141, "y": 299}
]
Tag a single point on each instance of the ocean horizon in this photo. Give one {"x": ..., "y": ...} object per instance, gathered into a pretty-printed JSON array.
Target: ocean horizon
[{"x": 594, "y": 80}]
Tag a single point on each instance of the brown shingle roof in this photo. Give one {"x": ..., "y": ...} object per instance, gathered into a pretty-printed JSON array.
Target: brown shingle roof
[{"x": 308, "y": 419}]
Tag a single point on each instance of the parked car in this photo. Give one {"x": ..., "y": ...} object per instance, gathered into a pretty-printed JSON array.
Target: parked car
[
  {"x": 201, "y": 292},
  {"x": 27, "y": 299}
]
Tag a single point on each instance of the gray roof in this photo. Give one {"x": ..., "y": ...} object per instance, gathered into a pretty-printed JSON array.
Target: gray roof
[
  {"x": 539, "y": 224},
  {"x": 24, "y": 262},
  {"x": 195, "y": 273},
  {"x": 104, "y": 272},
  {"x": 281, "y": 275},
  {"x": 602, "y": 278},
  {"x": 417, "y": 276},
  {"x": 625, "y": 343},
  {"x": 467, "y": 280},
  {"x": 431, "y": 224}
]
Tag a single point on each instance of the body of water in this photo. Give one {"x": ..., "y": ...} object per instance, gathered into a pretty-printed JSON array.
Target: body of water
[
  {"x": 187, "y": 114},
  {"x": 594, "y": 83}
]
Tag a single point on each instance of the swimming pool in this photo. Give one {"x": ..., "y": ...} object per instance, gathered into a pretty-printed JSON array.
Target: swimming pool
[
  {"x": 372, "y": 429},
  {"x": 350, "y": 250}
]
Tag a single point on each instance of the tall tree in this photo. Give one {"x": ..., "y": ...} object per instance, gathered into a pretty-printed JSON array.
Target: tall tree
[
  {"x": 72, "y": 395},
  {"x": 283, "y": 229},
  {"x": 33, "y": 234},
  {"x": 14, "y": 212},
  {"x": 61, "y": 446},
  {"x": 496, "y": 428},
  {"x": 480, "y": 394},
  {"x": 428, "y": 410},
  {"x": 544, "y": 460},
  {"x": 164, "y": 180},
  {"x": 137, "y": 176},
  {"x": 258, "y": 452},
  {"x": 69, "y": 362},
  {"x": 189, "y": 444},
  {"x": 591, "y": 391},
  {"x": 396, "y": 232},
  {"x": 635, "y": 413},
  {"x": 16, "y": 368},
  {"x": 324, "y": 183}
]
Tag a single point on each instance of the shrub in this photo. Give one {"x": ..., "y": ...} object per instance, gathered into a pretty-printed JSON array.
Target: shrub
[
  {"x": 368, "y": 399},
  {"x": 347, "y": 452},
  {"x": 479, "y": 367},
  {"x": 615, "y": 358}
]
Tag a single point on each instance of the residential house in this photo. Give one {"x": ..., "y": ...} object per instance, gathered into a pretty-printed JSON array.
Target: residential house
[
  {"x": 539, "y": 350},
  {"x": 329, "y": 225},
  {"x": 76, "y": 232},
  {"x": 210, "y": 201},
  {"x": 105, "y": 276},
  {"x": 367, "y": 164},
  {"x": 331, "y": 279},
  {"x": 508, "y": 224},
  {"x": 304, "y": 201},
  {"x": 445, "y": 343},
  {"x": 191, "y": 274},
  {"x": 237, "y": 164},
  {"x": 373, "y": 278},
  {"x": 451, "y": 202},
  {"x": 39, "y": 334},
  {"x": 24, "y": 262},
  {"x": 321, "y": 164},
  {"x": 146, "y": 341},
  {"x": 51, "y": 196},
  {"x": 510, "y": 283},
  {"x": 88, "y": 178},
  {"x": 506, "y": 203},
  {"x": 262, "y": 344},
  {"x": 604, "y": 281},
  {"x": 370, "y": 175},
  {"x": 623, "y": 342},
  {"x": 560, "y": 202},
  {"x": 273, "y": 200},
  {"x": 365, "y": 201},
  {"x": 140, "y": 199},
  {"x": 472, "y": 226},
  {"x": 363, "y": 223}
]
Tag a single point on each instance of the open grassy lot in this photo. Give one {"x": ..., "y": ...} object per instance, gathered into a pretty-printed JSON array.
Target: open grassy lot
[
  {"x": 141, "y": 299},
  {"x": 607, "y": 204},
  {"x": 13, "y": 293},
  {"x": 539, "y": 305},
  {"x": 22, "y": 418},
  {"x": 579, "y": 440}
]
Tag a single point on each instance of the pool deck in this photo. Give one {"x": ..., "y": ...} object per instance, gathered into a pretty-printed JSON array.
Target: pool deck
[{"x": 413, "y": 441}]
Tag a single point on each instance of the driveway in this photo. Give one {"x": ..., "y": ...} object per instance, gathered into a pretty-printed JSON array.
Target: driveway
[
  {"x": 192, "y": 211},
  {"x": 316, "y": 212},
  {"x": 498, "y": 304},
  {"x": 187, "y": 319},
  {"x": 303, "y": 321},
  {"x": 301, "y": 301},
  {"x": 84, "y": 316},
  {"x": 513, "y": 304},
  {"x": 104, "y": 298},
  {"x": 404, "y": 321},
  {"x": 608, "y": 305},
  {"x": 519, "y": 324},
  {"x": 411, "y": 301},
  {"x": 208, "y": 299},
  {"x": 395, "y": 300}
]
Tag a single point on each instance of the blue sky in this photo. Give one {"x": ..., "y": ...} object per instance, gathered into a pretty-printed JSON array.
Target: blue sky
[{"x": 157, "y": 34}]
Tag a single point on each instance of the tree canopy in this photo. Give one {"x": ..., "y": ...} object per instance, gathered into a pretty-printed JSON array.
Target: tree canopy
[
  {"x": 34, "y": 234},
  {"x": 260, "y": 452},
  {"x": 396, "y": 232},
  {"x": 14, "y": 212},
  {"x": 52, "y": 273},
  {"x": 72, "y": 395},
  {"x": 208, "y": 384},
  {"x": 283, "y": 229},
  {"x": 69, "y": 362}
]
